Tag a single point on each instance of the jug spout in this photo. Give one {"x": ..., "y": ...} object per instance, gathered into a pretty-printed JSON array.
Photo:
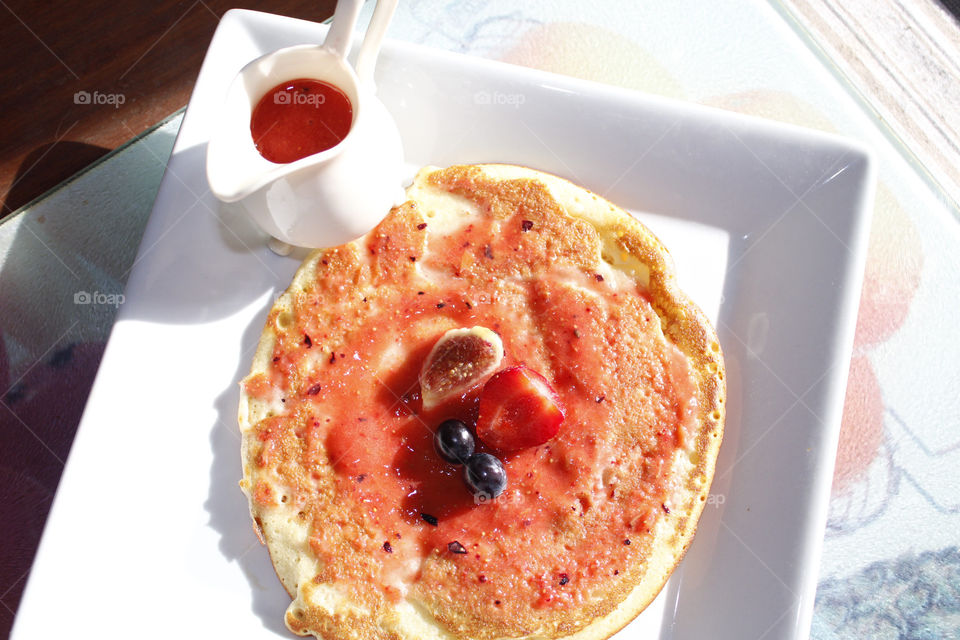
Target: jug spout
[{"x": 234, "y": 171}]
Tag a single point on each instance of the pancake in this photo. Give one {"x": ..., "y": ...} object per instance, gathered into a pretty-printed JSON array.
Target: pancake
[{"x": 370, "y": 532}]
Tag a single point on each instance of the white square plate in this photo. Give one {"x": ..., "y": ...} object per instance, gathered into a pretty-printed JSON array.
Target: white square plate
[{"x": 150, "y": 535}]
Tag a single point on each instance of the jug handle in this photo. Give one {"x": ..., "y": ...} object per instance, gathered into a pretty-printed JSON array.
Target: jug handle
[
  {"x": 370, "y": 49},
  {"x": 340, "y": 35}
]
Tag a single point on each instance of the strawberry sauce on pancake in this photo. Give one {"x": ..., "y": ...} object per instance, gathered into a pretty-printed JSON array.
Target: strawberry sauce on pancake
[{"x": 370, "y": 529}]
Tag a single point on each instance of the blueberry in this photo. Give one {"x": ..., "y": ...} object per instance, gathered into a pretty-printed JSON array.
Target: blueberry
[
  {"x": 485, "y": 476},
  {"x": 453, "y": 441}
]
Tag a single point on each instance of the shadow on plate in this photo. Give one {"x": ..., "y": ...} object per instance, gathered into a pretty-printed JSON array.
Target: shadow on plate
[
  {"x": 228, "y": 507},
  {"x": 207, "y": 260},
  {"x": 692, "y": 569}
]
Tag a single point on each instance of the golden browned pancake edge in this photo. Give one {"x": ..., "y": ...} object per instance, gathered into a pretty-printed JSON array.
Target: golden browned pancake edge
[{"x": 628, "y": 246}]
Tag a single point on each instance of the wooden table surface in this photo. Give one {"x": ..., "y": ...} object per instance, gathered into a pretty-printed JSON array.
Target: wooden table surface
[
  {"x": 79, "y": 79},
  {"x": 901, "y": 60}
]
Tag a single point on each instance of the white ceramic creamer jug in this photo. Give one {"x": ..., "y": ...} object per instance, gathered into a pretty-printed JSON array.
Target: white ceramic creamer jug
[{"x": 330, "y": 197}]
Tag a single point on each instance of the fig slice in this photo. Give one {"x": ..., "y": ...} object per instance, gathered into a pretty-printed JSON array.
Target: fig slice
[{"x": 460, "y": 360}]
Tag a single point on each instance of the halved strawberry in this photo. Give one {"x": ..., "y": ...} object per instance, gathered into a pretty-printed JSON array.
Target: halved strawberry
[{"x": 518, "y": 409}]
